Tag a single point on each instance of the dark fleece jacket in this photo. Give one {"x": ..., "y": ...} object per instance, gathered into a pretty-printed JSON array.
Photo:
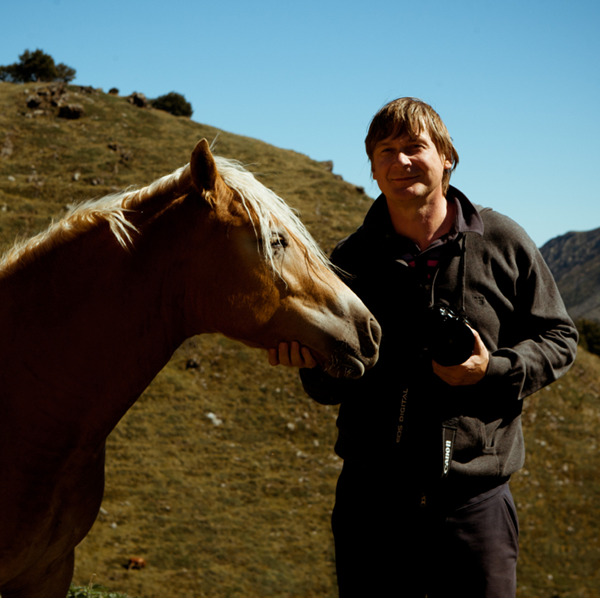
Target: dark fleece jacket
[{"x": 397, "y": 411}]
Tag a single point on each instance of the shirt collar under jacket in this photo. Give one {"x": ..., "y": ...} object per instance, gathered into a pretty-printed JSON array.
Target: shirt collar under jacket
[{"x": 379, "y": 224}]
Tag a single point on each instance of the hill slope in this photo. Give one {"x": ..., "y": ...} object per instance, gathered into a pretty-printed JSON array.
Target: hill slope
[
  {"x": 574, "y": 259},
  {"x": 242, "y": 508}
]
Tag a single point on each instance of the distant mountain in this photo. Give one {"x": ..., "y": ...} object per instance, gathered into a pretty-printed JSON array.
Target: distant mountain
[{"x": 574, "y": 259}]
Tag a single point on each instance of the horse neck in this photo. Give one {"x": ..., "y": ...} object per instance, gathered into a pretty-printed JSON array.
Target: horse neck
[{"x": 87, "y": 327}]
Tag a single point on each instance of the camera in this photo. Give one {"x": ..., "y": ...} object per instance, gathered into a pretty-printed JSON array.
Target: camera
[{"x": 450, "y": 340}]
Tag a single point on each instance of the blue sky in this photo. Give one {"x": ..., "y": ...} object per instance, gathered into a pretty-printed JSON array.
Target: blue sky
[{"x": 516, "y": 81}]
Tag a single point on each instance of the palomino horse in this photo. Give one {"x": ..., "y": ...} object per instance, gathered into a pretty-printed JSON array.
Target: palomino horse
[{"x": 92, "y": 309}]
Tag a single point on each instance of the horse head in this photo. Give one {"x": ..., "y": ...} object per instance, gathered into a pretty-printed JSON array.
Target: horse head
[{"x": 271, "y": 281}]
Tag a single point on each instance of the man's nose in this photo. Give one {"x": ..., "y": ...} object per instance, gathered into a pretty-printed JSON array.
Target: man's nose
[{"x": 403, "y": 159}]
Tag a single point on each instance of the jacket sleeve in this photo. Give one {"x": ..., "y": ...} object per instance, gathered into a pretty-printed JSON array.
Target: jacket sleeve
[
  {"x": 544, "y": 338},
  {"x": 322, "y": 387}
]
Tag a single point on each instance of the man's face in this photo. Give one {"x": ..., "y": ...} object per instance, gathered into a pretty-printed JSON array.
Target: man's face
[{"x": 409, "y": 169}]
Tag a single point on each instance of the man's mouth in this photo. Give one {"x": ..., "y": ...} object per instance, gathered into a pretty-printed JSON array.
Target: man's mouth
[{"x": 404, "y": 179}]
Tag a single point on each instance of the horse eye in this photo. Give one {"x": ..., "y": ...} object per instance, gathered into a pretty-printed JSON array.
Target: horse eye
[{"x": 278, "y": 240}]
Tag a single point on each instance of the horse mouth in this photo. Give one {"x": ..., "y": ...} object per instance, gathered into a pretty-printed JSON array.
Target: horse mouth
[
  {"x": 350, "y": 368},
  {"x": 343, "y": 365},
  {"x": 348, "y": 362}
]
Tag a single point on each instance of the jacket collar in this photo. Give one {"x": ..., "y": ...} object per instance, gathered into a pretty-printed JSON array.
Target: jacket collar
[{"x": 468, "y": 220}]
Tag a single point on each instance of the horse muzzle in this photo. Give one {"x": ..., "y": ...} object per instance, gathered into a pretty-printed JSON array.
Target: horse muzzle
[{"x": 347, "y": 361}]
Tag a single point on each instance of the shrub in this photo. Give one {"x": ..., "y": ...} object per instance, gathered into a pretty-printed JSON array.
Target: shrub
[
  {"x": 173, "y": 103},
  {"x": 36, "y": 66}
]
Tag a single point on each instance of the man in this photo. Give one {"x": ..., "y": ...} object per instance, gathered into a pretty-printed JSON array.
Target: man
[{"x": 472, "y": 324}]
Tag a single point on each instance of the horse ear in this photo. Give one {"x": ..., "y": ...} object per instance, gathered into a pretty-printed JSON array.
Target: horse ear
[{"x": 203, "y": 167}]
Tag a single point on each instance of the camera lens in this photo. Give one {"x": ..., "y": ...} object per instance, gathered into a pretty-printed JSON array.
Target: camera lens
[{"x": 451, "y": 340}]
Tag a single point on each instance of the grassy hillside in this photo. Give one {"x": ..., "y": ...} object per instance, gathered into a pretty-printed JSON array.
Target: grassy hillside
[{"x": 240, "y": 506}]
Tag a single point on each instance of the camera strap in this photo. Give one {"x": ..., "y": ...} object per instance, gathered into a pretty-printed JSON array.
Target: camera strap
[
  {"x": 402, "y": 415},
  {"x": 449, "y": 427},
  {"x": 458, "y": 300}
]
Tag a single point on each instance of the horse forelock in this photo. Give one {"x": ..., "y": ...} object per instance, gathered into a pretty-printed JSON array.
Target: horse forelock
[{"x": 268, "y": 212}]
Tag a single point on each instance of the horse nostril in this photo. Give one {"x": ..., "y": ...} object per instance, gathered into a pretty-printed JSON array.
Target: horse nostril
[
  {"x": 370, "y": 338},
  {"x": 375, "y": 329}
]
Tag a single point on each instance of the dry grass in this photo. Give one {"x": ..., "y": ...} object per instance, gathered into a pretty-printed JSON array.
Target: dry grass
[{"x": 235, "y": 509}]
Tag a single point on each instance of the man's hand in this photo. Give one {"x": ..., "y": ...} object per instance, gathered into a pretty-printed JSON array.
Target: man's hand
[
  {"x": 471, "y": 371},
  {"x": 291, "y": 355}
]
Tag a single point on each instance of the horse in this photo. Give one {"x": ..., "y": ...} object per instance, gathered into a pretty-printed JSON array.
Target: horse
[{"x": 91, "y": 310}]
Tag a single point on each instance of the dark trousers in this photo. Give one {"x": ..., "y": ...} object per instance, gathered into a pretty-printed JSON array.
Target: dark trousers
[{"x": 391, "y": 546}]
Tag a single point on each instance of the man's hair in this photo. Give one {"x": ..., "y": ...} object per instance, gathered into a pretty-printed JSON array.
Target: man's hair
[{"x": 410, "y": 116}]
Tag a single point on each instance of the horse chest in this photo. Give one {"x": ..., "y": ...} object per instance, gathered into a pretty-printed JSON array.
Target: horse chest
[{"x": 45, "y": 517}]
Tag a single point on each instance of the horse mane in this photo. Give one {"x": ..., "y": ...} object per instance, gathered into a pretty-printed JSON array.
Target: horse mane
[
  {"x": 79, "y": 218},
  {"x": 266, "y": 209}
]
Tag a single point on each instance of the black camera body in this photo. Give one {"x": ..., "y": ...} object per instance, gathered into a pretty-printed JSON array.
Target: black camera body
[{"x": 450, "y": 340}]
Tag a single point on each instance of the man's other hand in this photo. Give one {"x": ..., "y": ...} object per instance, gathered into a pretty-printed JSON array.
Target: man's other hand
[{"x": 471, "y": 371}]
